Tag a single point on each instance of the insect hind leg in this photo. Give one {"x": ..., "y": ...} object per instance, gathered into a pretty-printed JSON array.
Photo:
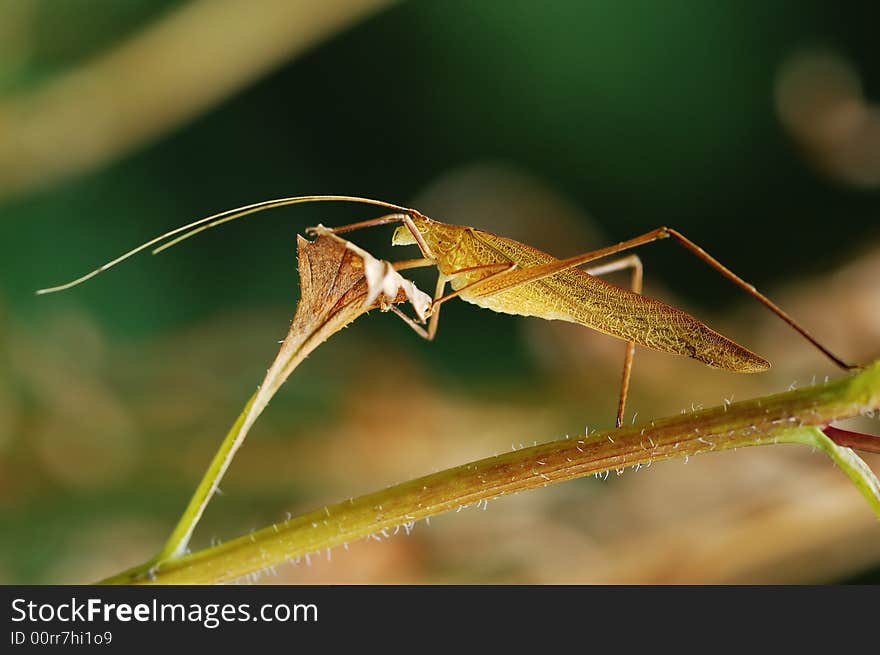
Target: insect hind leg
[{"x": 534, "y": 273}]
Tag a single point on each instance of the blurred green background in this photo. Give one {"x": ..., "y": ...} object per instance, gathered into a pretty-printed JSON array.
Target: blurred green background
[{"x": 746, "y": 125}]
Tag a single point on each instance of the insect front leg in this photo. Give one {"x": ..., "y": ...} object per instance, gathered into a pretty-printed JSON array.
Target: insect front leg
[
  {"x": 398, "y": 217},
  {"x": 429, "y": 333},
  {"x": 439, "y": 298}
]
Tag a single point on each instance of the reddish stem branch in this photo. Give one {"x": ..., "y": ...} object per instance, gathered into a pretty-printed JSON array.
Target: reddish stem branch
[{"x": 867, "y": 443}]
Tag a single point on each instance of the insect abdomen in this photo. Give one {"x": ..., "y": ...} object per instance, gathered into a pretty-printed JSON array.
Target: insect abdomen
[
  {"x": 577, "y": 297},
  {"x": 659, "y": 326}
]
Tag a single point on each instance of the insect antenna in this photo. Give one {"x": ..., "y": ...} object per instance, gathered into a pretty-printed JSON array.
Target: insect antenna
[{"x": 191, "y": 229}]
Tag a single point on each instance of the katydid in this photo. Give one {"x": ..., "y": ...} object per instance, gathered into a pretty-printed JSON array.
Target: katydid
[{"x": 510, "y": 277}]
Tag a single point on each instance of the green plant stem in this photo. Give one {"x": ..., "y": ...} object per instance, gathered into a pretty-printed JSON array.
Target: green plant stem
[
  {"x": 182, "y": 532},
  {"x": 792, "y": 417},
  {"x": 294, "y": 349}
]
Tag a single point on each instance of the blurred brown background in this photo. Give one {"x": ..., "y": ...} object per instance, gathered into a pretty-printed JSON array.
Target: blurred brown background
[{"x": 749, "y": 126}]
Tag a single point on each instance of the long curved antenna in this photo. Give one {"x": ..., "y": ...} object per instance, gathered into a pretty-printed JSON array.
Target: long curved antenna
[{"x": 191, "y": 229}]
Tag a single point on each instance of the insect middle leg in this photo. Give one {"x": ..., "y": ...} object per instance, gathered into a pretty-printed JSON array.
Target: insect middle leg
[
  {"x": 635, "y": 264},
  {"x": 631, "y": 262}
]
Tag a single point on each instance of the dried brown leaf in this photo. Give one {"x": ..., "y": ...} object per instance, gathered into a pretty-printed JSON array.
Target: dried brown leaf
[{"x": 338, "y": 283}]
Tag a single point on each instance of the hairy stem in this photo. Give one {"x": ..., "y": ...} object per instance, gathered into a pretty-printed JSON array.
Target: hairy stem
[
  {"x": 792, "y": 417},
  {"x": 295, "y": 348}
]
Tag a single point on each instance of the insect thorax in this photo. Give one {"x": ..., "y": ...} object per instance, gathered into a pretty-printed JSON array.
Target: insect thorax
[{"x": 443, "y": 239}]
